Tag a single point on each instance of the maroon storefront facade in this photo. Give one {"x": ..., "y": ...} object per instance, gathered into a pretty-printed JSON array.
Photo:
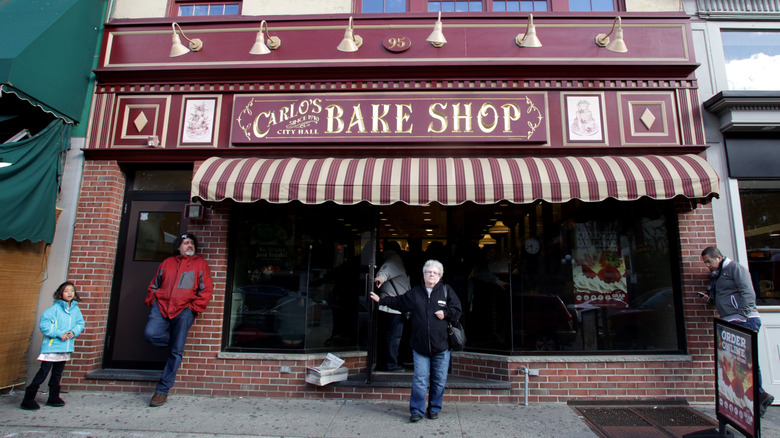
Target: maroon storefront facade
[{"x": 479, "y": 123}]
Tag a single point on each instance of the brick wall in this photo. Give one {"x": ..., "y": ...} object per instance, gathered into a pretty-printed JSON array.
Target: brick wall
[
  {"x": 204, "y": 372},
  {"x": 92, "y": 257}
]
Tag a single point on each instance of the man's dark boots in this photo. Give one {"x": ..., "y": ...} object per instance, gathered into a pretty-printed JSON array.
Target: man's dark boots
[
  {"x": 54, "y": 397},
  {"x": 29, "y": 402}
]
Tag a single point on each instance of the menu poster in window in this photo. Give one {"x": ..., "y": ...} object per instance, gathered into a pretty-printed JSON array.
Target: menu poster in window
[
  {"x": 598, "y": 268},
  {"x": 736, "y": 383}
]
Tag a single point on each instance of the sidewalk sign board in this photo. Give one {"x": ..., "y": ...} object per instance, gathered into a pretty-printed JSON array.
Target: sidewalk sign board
[{"x": 737, "y": 379}]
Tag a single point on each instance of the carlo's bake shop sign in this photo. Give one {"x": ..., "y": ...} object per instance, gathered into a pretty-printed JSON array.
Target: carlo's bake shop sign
[
  {"x": 389, "y": 117},
  {"x": 598, "y": 268}
]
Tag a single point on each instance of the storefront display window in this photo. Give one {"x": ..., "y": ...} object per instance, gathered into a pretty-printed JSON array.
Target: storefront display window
[
  {"x": 555, "y": 278},
  {"x": 761, "y": 218},
  {"x": 298, "y": 276}
]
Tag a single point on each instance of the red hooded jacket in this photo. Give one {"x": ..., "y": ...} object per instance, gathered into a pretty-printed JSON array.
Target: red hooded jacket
[{"x": 181, "y": 282}]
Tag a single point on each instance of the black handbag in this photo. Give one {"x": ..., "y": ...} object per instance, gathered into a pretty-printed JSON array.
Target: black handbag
[{"x": 457, "y": 336}]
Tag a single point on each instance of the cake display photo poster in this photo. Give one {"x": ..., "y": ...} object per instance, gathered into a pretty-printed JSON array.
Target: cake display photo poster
[
  {"x": 598, "y": 267},
  {"x": 736, "y": 383}
]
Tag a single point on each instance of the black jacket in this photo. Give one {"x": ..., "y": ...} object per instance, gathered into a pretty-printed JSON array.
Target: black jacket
[{"x": 429, "y": 333}]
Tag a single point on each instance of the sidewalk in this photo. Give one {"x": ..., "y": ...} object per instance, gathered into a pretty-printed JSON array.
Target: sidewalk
[{"x": 104, "y": 414}]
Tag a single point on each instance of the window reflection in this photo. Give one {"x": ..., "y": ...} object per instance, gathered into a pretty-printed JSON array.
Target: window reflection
[
  {"x": 298, "y": 277},
  {"x": 761, "y": 219},
  {"x": 384, "y": 6},
  {"x": 574, "y": 277},
  {"x": 591, "y": 5},
  {"x": 752, "y": 60},
  {"x": 156, "y": 232}
]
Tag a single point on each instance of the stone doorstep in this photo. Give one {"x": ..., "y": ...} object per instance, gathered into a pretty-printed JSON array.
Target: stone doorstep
[{"x": 120, "y": 374}]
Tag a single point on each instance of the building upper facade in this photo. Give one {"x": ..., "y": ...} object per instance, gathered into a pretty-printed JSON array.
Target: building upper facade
[{"x": 129, "y": 9}]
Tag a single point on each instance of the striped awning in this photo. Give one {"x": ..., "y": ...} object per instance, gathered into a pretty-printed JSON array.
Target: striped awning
[{"x": 453, "y": 181}]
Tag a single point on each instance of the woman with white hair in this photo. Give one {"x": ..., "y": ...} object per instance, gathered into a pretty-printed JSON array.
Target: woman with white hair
[{"x": 432, "y": 305}]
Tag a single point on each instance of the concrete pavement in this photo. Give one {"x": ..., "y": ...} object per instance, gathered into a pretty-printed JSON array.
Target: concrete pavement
[{"x": 104, "y": 414}]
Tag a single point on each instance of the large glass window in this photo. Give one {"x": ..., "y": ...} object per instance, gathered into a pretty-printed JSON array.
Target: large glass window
[
  {"x": 298, "y": 276},
  {"x": 752, "y": 59},
  {"x": 575, "y": 277},
  {"x": 572, "y": 277},
  {"x": 761, "y": 219}
]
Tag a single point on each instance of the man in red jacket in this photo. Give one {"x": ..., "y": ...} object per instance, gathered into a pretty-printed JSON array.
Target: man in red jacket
[{"x": 180, "y": 290}]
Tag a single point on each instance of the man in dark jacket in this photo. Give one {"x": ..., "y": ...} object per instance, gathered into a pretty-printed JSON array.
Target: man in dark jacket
[
  {"x": 432, "y": 305},
  {"x": 392, "y": 281},
  {"x": 731, "y": 291},
  {"x": 179, "y": 291}
]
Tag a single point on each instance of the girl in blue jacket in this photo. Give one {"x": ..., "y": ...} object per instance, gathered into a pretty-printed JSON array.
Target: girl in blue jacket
[{"x": 60, "y": 324}]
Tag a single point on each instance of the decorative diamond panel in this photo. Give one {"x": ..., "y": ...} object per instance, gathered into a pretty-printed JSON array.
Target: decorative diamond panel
[
  {"x": 136, "y": 118},
  {"x": 140, "y": 121},
  {"x": 648, "y": 118}
]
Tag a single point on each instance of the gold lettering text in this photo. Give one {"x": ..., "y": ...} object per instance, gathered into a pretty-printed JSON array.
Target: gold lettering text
[
  {"x": 483, "y": 113},
  {"x": 357, "y": 120},
  {"x": 376, "y": 118},
  {"x": 515, "y": 116},
  {"x": 438, "y": 115},
  {"x": 402, "y": 116},
  {"x": 335, "y": 113}
]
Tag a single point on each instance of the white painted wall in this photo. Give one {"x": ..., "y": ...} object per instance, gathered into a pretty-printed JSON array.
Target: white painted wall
[
  {"x": 653, "y": 5},
  {"x": 139, "y": 9},
  {"x": 297, "y": 7}
]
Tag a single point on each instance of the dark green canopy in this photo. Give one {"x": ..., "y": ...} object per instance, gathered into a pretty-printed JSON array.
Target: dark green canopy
[
  {"x": 30, "y": 173},
  {"x": 47, "y": 51}
]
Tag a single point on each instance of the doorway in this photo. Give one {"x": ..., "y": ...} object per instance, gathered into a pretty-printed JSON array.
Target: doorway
[{"x": 153, "y": 217}]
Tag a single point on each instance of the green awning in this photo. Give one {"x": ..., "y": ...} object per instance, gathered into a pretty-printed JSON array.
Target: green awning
[
  {"x": 47, "y": 51},
  {"x": 30, "y": 172}
]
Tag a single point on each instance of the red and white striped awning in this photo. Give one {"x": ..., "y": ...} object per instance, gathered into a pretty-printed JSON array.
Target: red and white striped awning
[{"x": 453, "y": 181}]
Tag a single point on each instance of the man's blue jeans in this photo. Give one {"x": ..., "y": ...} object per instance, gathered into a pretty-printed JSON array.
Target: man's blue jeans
[
  {"x": 433, "y": 368},
  {"x": 171, "y": 333},
  {"x": 755, "y": 325}
]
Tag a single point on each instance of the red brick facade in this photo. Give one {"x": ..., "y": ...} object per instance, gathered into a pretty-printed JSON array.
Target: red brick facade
[{"x": 204, "y": 372}]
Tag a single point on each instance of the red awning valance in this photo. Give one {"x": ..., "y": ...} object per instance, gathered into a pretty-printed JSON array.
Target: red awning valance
[{"x": 453, "y": 181}]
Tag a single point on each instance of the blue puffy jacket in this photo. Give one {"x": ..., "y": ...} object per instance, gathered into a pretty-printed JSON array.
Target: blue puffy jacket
[{"x": 58, "y": 320}]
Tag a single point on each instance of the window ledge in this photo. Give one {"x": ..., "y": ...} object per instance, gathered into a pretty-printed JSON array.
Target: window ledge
[
  {"x": 287, "y": 356},
  {"x": 574, "y": 358}
]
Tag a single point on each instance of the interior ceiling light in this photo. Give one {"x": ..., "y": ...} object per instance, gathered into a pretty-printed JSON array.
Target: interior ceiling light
[
  {"x": 351, "y": 42},
  {"x": 529, "y": 38},
  {"x": 436, "y": 38},
  {"x": 499, "y": 228},
  {"x": 616, "y": 45},
  {"x": 487, "y": 240},
  {"x": 261, "y": 46},
  {"x": 177, "y": 48}
]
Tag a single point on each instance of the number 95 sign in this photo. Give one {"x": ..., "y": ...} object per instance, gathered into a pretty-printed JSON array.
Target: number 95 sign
[{"x": 397, "y": 44}]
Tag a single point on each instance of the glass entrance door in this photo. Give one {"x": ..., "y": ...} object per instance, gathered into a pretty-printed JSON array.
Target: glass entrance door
[{"x": 151, "y": 228}]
